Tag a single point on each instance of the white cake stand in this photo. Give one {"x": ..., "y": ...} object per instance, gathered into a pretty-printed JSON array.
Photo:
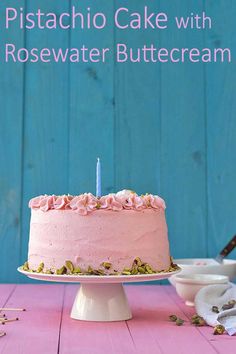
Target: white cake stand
[{"x": 99, "y": 298}]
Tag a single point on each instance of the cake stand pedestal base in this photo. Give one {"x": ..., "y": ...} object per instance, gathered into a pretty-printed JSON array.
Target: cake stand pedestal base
[
  {"x": 100, "y": 298},
  {"x": 101, "y": 302}
]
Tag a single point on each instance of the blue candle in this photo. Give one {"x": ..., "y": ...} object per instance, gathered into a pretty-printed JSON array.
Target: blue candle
[{"x": 98, "y": 179}]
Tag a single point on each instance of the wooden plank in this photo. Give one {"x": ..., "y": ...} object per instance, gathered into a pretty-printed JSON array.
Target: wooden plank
[
  {"x": 38, "y": 327},
  {"x": 11, "y": 103},
  {"x": 91, "y": 337},
  {"x": 137, "y": 112},
  {"x": 46, "y": 118},
  {"x": 183, "y": 163},
  {"x": 5, "y": 292},
  {"x": 92, "y": 109},
  {"x": 151, "y": 307},
  {"x": 46, "y": 328},
  {"x": 221, "y": 344},
  {"x": 221, "y": 129}
]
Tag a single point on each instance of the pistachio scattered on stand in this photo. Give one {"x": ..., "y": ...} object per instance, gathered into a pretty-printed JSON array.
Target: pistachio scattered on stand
[
  {"x": 138, "y": 261},
  {"x": 40, "y": 268},
  {"x": 99, "y": 272},
  {"x": 141, "y": 270},
  {"x": 149, "y": 269},
  {"x": 61, "y": 271},
  {"x": 138, "y": 267},
  {"x": 48, "y": 271},
  {"x": 106, "y": 265},
  {"x": 77, "y": 270},
  {"x": 70, "y": 266},
  {"x": 134, "y": 271},
  {"x": 90, "y": 270},
  {"x": 26, "y": 266}
]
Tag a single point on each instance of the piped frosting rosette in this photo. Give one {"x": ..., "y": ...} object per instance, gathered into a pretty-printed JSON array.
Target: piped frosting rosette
[{"x": 87, "y": 202}]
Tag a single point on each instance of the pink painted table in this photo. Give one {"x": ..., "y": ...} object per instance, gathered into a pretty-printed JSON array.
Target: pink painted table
[{"x": 46, "y": 326}]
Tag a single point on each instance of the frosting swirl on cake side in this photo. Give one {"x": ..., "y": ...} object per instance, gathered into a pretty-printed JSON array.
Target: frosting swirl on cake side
[{"x": 87, "y": 202}]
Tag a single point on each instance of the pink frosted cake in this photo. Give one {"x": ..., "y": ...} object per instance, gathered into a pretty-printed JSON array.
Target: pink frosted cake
[{"x": 120, "y": 233}]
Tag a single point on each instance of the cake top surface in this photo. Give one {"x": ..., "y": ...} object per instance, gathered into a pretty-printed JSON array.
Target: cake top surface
[{"x": 87, "y": 202}]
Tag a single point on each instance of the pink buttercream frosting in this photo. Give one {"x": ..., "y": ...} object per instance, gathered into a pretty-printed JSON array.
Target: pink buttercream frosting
[
  {"x": 102, "y": 236},
  {"x": 154, "y": 201},
  {"x": 110, "y": 202},
  {"x": 87, "y": 202}
]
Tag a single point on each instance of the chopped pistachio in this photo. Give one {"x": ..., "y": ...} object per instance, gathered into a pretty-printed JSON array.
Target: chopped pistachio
[
  {"x": 179, "y": 322},
  {"x": 148, "y": 269},
  {"x": 114, "y": 273},
  {"x": 134, "y": 271},
  {"x": 219, "y": 329},
  {"x": 141, "y": 270},
  {"x": 106, "y": 265},
  {"x": 61, "y": 271},
  {"x": 69, "y": 266},
  {"x": 138, "y": 261},
  {"x": 138, "y": 267},
  {"x": 215, "y": 309},
  {"x": 232, "y": 302},
  {"x": 199, "y": 322},
  {"x": 195, "y": 319},
  {"x": 134, "y": 266},
  {"x": 173, "y": 318},
  {"x": 126, "y": 269},
  {"x": 26, "y": 266},
  {"x": 40, "y": 267},
  {"x": 98, "y": 272},
  {"x": 90, "y": 270},
  {"x": 101, "y": 271},
  {"x": 48, "y": 271},
  {"x": 77, "y": 270}
]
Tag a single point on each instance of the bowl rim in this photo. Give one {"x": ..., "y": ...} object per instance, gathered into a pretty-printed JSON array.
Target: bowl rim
[
  {"x": 181, "y": 262},
  {"x": 203, "y": 279}
]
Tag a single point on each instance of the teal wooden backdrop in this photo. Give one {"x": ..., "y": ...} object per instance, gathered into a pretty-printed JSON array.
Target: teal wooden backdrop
[{"x": 165, "y": 128}]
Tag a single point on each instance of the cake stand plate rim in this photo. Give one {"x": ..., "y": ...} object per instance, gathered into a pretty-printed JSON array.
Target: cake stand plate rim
[{"x": 98, "y": 279}]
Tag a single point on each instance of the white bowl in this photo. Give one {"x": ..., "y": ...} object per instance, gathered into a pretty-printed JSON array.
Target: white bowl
[
  {"x": 205, "y": 266},
  {"x": 187, "y": 286}
]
